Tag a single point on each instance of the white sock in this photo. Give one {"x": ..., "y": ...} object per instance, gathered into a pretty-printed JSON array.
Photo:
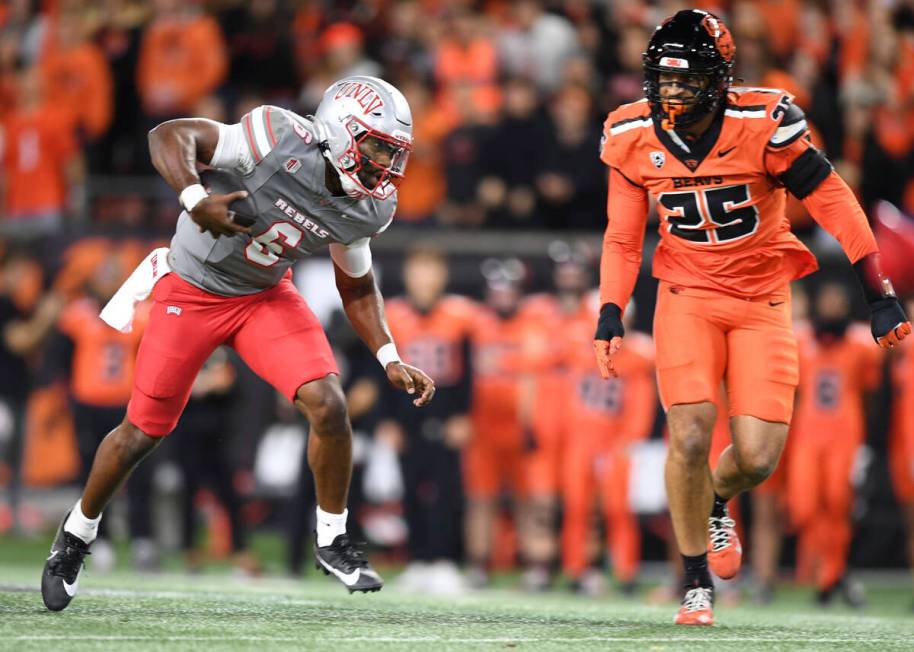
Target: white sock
[
  {"x": 330, "y": 526},
  {"x": 80, "y": 525}
]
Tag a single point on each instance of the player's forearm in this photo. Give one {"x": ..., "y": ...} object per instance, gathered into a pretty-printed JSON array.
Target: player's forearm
[
  {"x": 364, "y": 307},
  {"x": 176, "y": 146},
  {"x": 623, "y": 240},
  {"x": 833, "y": 205}
]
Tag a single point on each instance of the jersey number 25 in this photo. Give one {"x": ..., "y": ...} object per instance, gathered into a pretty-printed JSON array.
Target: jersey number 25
[{"x": 712, "y": 216}]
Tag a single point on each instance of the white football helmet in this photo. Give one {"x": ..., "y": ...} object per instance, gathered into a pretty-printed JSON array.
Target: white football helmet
[{"x": 366, "y": 132}]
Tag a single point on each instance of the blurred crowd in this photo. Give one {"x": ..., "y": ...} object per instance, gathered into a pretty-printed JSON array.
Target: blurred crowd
[
  {"x": 508, "y": 96},
  {"x": 525, "y": 459}
]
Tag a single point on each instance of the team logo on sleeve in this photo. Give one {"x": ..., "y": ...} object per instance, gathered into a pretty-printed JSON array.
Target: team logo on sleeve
[{"x": 658, "y": 159}]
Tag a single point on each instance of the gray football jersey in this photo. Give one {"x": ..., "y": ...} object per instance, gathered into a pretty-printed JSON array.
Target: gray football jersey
[{"x": 283, "y": 170}]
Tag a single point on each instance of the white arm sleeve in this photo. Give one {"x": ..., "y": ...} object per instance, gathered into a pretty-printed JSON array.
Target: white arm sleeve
[
  {"x": 354, "y": 259},
  {"x": 232, "y": 151}
]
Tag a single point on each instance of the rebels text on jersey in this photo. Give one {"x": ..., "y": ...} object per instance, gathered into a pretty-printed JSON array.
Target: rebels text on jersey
[
  {"x": 276, "y": 153},
  {"x": 721, "y": 198}
]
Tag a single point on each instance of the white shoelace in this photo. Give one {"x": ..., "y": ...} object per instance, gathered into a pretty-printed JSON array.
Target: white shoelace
[
  {"x": 697, "y": 599},
  {"x": 719, "y": 532}
]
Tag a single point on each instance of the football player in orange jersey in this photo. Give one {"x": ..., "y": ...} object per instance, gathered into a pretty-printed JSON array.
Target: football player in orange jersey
[
  {"x": 901, "y": 443},
  {"x": 837, "y": 368},
  {"x": 719, "y": 161}
]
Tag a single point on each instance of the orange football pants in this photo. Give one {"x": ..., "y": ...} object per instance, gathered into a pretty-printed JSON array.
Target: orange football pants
[
  {"x": 819, "y": 500},
  {"x": 591, "y": 471},
  {"x": 705, "y": 337}
]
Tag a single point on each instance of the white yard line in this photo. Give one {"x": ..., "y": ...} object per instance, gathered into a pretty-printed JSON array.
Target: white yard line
[{"x": 469, "y": 641}]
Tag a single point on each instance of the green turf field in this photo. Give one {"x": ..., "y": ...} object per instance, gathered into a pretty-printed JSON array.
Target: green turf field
[{"x": 215, "y": 611}]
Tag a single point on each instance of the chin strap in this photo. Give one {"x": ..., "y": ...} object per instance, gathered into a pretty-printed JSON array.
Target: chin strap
[{"x": 350, "y": 187}]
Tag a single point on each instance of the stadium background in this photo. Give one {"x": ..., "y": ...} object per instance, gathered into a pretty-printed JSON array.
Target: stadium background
[{"x": 508, "y": 100}]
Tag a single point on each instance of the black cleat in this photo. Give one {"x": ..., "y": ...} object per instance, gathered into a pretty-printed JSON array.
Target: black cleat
[
  {"x": 348, "y": 564},
  {"x": 60, "y": 578}
]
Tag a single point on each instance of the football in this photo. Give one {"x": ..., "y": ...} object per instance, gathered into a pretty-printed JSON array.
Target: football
[{"x": 223, "y": 182}]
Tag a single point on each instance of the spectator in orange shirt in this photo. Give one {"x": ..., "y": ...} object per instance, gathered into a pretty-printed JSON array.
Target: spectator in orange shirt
[
  {"x": 41, "y": 163},
  {"x": 182, "y": 59},
  {"x": 77, "y": 75},
  {"x": 423, "y": 189}
]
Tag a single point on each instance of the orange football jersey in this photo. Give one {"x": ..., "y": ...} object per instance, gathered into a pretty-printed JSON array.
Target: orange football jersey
[
  {"x": 615, "y": 411},
  {"x": 833, "y": 379},
  {"x": 506, "y": 352},
  {"x": 721, "y": 198},
  {"x": 103, "y": 358},
  {"x": 433, "y": 341}
]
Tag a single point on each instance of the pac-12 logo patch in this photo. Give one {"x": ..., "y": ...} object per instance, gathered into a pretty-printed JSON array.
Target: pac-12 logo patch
[
  {"x": 292, "y": 165},
  {"x": 658, "y": 159}
]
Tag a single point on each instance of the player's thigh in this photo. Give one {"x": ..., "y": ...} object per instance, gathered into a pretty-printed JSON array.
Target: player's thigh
[
  {"x": 283, "y": 342},
  {"x": 614, "y": 482},
  {"x": 838, "y": 491},
  {"x": 481, "y": 473},
  {"x": 691, "y": 347},
  {"x": 804, "y": 480},
  {"x": 180, "y": 335},
  {"x": 763, "y": 367}
]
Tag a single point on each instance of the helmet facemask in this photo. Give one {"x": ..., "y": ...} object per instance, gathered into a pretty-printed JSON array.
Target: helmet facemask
[
  {"x": 374, "y": 162},
  {"x": 707, "y": 90}
]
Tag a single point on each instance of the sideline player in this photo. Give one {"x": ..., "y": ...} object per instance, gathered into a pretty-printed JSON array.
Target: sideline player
[
  {"x": 325, "y": 180},
  {"x": 838, "y": 368},
  {"x": 719, "y": 161}
]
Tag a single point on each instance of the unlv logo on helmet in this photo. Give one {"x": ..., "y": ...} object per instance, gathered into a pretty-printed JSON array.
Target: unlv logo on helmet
[{"x": 364, "y": 94}]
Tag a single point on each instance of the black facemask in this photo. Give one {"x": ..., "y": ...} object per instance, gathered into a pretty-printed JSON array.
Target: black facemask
[{"x": 828, "y": 329}]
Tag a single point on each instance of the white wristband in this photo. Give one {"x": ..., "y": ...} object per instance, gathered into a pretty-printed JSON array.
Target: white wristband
[
  {"x": 387, "y": 354},
  {"x": 192, "y": 195}
]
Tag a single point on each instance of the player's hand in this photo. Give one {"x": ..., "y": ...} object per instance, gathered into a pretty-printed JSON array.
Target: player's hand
[
  {"x": 412, "y": 381},
  {"x": 608, "y": 339},
  {"x": 888, "y": 323},
  {"x": 212, "y": 214}
]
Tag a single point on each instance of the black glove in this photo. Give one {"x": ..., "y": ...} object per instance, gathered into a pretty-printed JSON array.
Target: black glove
[
  {"x": 609, "y": 327},
  {"x": 888, "y": 323},
  {"x": 610, "y": 323}
]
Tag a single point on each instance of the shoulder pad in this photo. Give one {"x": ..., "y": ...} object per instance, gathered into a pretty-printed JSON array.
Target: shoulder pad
[
  {"x": 621, "y": 129},
  {"x": 792, "y": 123}
]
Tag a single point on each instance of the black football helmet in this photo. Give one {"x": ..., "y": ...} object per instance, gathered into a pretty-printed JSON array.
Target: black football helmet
[{"x": 697, "y": 44}]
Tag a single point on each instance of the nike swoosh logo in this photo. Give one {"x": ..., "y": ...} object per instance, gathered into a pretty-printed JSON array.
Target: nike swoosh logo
[
  {"x": 775, "y": 303},
  {"x": 724, "y": 152},
  {"x": 346, "y": 578},
  {"x": 71, "y": 588}
]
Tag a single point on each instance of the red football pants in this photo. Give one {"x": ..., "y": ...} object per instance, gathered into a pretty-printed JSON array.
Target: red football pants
[{"x": 273, "y": 331}]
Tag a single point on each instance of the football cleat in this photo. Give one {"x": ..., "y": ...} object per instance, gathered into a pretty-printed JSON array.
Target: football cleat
[
  {"x": 725, "y": 553},
  {"x": 348, "y": 564},
  {"x": 697, "y": 607},
  {"x": 60, "y": 578}
]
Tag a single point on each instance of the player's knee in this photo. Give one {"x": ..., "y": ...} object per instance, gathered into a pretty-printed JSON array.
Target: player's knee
[
  {"x": 323, "y": 404},
  {"x": 130, "y": 443},
  {"x": 690, "y": 432},
  {"x": 757, "y": 467}
]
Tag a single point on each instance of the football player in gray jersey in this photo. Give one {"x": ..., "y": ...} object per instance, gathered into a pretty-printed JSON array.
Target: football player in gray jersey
[{"x": 307, "y": 182}]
